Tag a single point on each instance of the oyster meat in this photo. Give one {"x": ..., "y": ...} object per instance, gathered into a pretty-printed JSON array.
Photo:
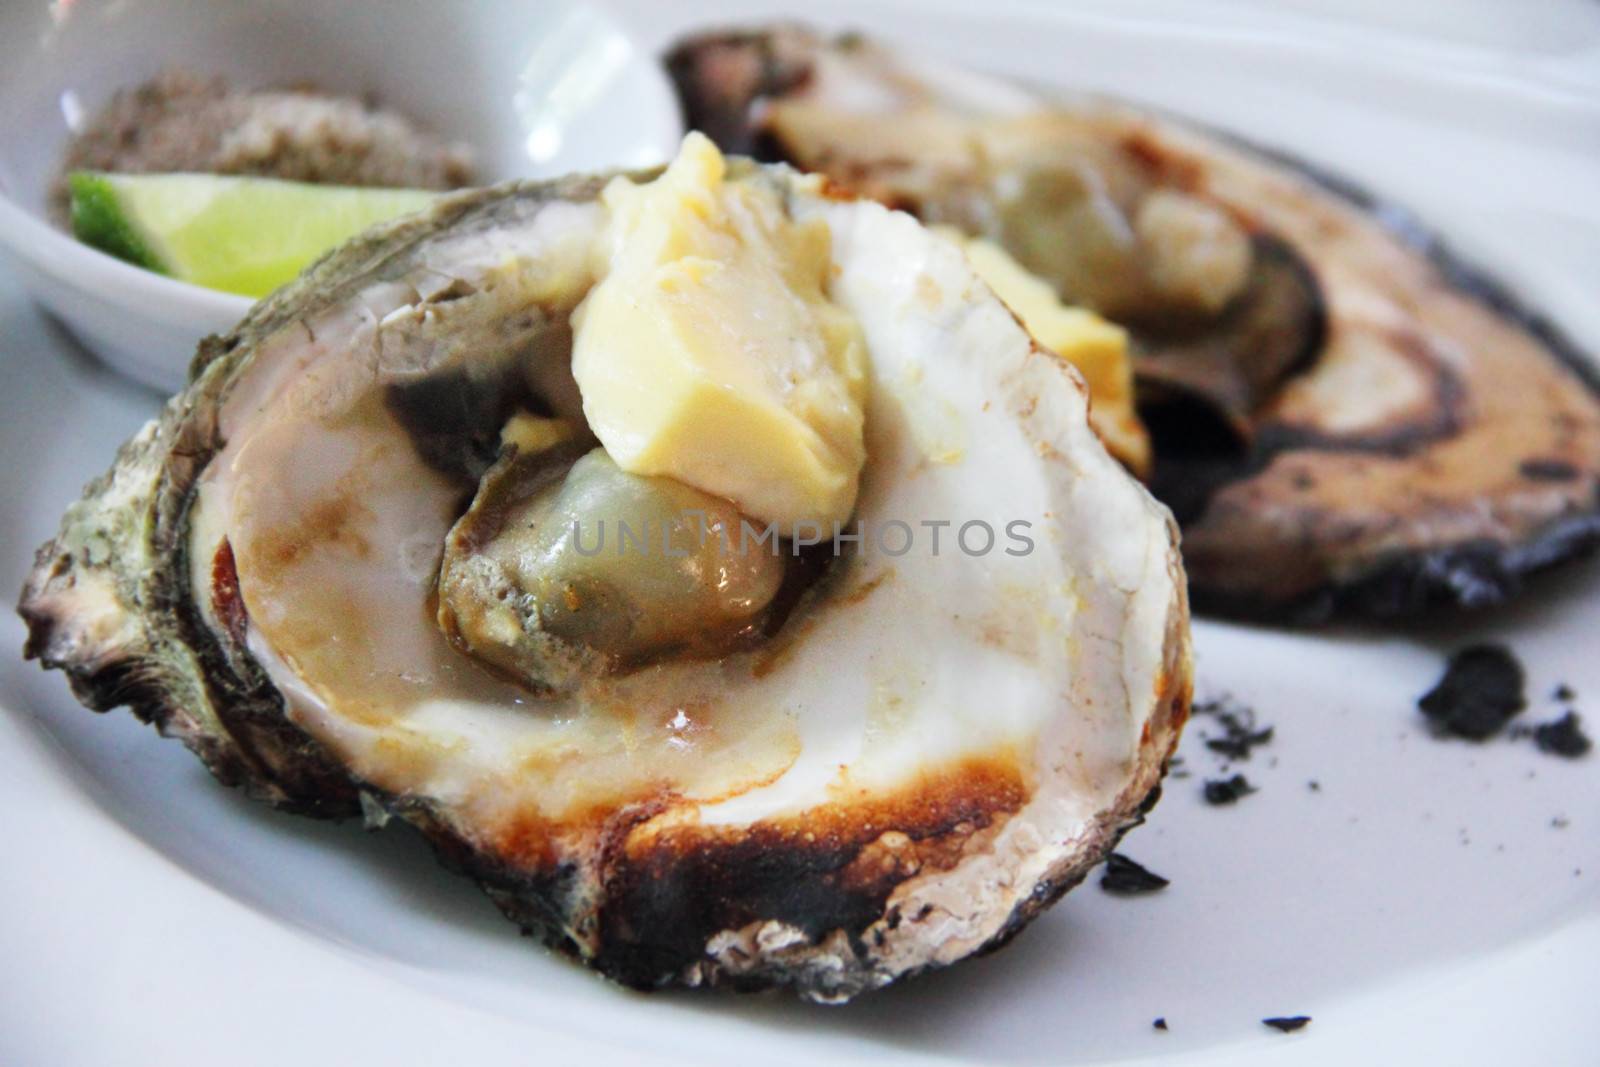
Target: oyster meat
[
  {"x": 1345, "y": 416},
  {"x": 335, "y": 567}
]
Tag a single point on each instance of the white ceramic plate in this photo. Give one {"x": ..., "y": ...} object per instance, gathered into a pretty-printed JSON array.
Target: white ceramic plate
[{"x": 1433, "y": 902}]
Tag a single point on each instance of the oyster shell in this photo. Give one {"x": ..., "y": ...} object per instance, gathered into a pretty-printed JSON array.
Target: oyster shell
[
  {"x": 921, "y": 753},
  {"x": 1358, "y": 422}
]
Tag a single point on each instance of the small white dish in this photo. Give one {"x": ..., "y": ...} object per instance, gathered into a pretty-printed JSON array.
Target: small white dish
[{"x": 536, "y": 89}]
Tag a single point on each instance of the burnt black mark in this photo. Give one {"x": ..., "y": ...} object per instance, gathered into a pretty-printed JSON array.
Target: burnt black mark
[
  {"x": 822, "y": 878},
  {"x": 1481, "y": 691},
  {"x": 1473, "y": 575},
  {"x": 664, "y": 913},
  {"x": 1547, "y": 470}
]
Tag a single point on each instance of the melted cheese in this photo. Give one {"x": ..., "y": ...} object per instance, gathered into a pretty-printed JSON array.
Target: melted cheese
[
  {"x": 1097, "y": 348},
  {"x": 711, "y": 352}
]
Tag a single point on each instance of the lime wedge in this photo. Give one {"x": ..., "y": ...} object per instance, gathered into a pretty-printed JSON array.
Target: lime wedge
[{"x": 239, "y": 235}]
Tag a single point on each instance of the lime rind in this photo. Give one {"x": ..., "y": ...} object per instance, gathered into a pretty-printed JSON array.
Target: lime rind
[
  {"x": 236, "y": 234},
  {"x": 99, "y": 222}
]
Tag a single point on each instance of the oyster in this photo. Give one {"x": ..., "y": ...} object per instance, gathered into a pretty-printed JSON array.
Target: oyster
[
  {"x": 1345, "y": 416},
  {"x": 326, "y": 568}
]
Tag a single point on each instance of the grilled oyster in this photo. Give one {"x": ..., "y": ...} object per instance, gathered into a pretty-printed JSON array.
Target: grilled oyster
[
  {"x": 329, "y": 568},
  {"x": 1345, "y": 416}
]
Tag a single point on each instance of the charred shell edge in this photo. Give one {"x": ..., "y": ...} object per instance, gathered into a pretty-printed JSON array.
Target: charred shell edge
[
  {"x": 121, "y": 551},
  {"x": 1471, "y": 575},
  {"x": 1479, "y": 574}
]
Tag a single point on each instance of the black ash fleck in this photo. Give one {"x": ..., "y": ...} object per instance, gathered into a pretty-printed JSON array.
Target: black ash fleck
[
  {"x": 1227, "y": 790},
  {"x": 1127, "y": 878},
  {"x": 1240, "y": 730},
  {"x": 1287, "y": 1024},
  {"x": 1481, "y": 690},
  {"x": 1564, "y": 737}
]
